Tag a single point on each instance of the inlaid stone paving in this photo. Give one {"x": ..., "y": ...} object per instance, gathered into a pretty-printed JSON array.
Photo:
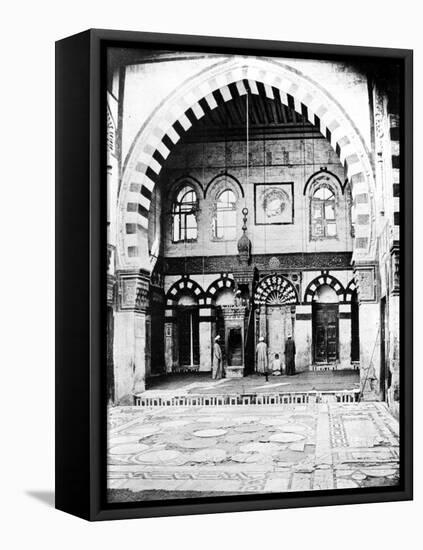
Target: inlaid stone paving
[{"x": 199, "y": 451}]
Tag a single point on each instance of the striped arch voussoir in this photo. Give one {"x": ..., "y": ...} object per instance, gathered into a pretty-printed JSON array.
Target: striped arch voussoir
[
  {"x": 184, "y": 286},
  {"x": 349, "y": 291},
  {"x": 237, "y": 82},
  {"x": 224, "y": 282},
  {"x": 320, "y": 281}
]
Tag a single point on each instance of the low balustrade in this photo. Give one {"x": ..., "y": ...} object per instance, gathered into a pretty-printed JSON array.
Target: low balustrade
[{"x": 239, "y": 399}]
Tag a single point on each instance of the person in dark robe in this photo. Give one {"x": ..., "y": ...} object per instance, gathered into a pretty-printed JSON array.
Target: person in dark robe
[
  {"x": 290, "y": 356},
  {"x": 261, "y": 353},
  {"x": 238, "y": 299},
  {"x": 217, "y": 371}
]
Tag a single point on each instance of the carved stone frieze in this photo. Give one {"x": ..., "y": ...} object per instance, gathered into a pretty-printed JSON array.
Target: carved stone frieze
[{"x": 295, "y": 261}]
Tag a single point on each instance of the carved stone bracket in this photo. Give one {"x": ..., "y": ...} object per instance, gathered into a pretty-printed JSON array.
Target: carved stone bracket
[
  {"x": 366, "y": 283},
  {"x": 133, "y": 291}
]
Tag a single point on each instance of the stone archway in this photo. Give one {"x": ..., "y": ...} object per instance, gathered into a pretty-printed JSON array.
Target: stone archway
[
  {"x": 207, "y": 90},
  {"x": 227, "y": 79},
  {"x": 324, "y": 279}
]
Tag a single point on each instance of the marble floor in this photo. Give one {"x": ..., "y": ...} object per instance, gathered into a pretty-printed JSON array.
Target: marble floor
[
  {"x": 202, "y": 383},
  {"x": 174, "y": 452}
]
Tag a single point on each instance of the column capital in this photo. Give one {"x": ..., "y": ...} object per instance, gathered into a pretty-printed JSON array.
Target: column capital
[
  {"x": 133, "y": 290},
  {"x": 366, "y": 281}
]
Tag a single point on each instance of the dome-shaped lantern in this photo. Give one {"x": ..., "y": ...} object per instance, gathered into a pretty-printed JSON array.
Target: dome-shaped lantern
[{"x": 244, "y": 243}]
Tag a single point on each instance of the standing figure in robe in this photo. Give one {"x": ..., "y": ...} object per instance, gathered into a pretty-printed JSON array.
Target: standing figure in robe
[
  {"x": 261, "y": 353},
  {"x": 217, "y": 371},
  {"x": 290, "y": 356},
  {"x": 238, "y": 299}
]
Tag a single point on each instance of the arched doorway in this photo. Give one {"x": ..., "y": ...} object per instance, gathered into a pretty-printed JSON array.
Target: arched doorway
[
  {"x": 188, "y": 335},
  {"x": 275, "y": 298},
  {"x": 223, "y": 297},
  {"x": 325, "y": 321}
]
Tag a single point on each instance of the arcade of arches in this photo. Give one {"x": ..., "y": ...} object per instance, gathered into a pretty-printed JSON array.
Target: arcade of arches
[{"x": 286, "y": 192}]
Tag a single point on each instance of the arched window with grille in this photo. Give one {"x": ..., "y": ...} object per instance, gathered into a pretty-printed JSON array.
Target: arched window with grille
[
  {"x": 224, "y": 223},
  {"x": 184, "y": 216},
  {"x": 323, "y": 212}
]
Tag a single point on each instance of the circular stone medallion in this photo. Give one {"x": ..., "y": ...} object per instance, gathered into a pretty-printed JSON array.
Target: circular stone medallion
[
  {"x": 245, "y": 457},
  {"x": 286, "y": 437},
  {"x": 209, "y": 455},
  {"x": 210, "y": 433},
  {"x": 380, "y": 473}
]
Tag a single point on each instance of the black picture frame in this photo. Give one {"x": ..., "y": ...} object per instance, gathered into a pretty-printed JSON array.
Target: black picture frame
[{"x": 81, "y": 268}]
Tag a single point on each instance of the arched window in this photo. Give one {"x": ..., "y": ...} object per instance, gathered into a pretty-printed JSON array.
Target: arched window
[
  {"x": 322, "y": 213},
  {"x": 225, "y": 216},
  {"x": 184, "y": 215}
]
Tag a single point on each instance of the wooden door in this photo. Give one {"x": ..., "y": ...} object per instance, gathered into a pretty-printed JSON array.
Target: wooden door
[
  {"x": 325, "y": 333},
  {"x": 189, "y": 336},
  {"x": 355, "y": 329}
]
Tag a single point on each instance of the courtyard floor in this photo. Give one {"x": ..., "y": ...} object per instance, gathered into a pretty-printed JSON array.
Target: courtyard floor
[
  {"x": 202, "y": 383},
  {"x": 179, "y": 452}
]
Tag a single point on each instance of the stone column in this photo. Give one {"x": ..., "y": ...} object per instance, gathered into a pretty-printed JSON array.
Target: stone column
[
  {"x": 170, "y": 341},
  {"x": 130, "y": 349},
  {"x": 369, "y": 350},
  {"x": 303, "y": 338},
  {"x": 369, "y": 330},
  {"x": 344, "y": 336},
  {"x": 205, "y": 340},
  {"x": 393, "y": 394},
  {"x": 263, "y": 322}
]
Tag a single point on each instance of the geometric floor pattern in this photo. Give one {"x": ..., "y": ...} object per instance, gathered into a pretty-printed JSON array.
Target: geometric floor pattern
[{"x": 173, "y": 452}]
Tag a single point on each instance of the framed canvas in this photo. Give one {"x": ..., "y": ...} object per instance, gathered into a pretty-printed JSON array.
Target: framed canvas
[{"x": 234, "y": 274}]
